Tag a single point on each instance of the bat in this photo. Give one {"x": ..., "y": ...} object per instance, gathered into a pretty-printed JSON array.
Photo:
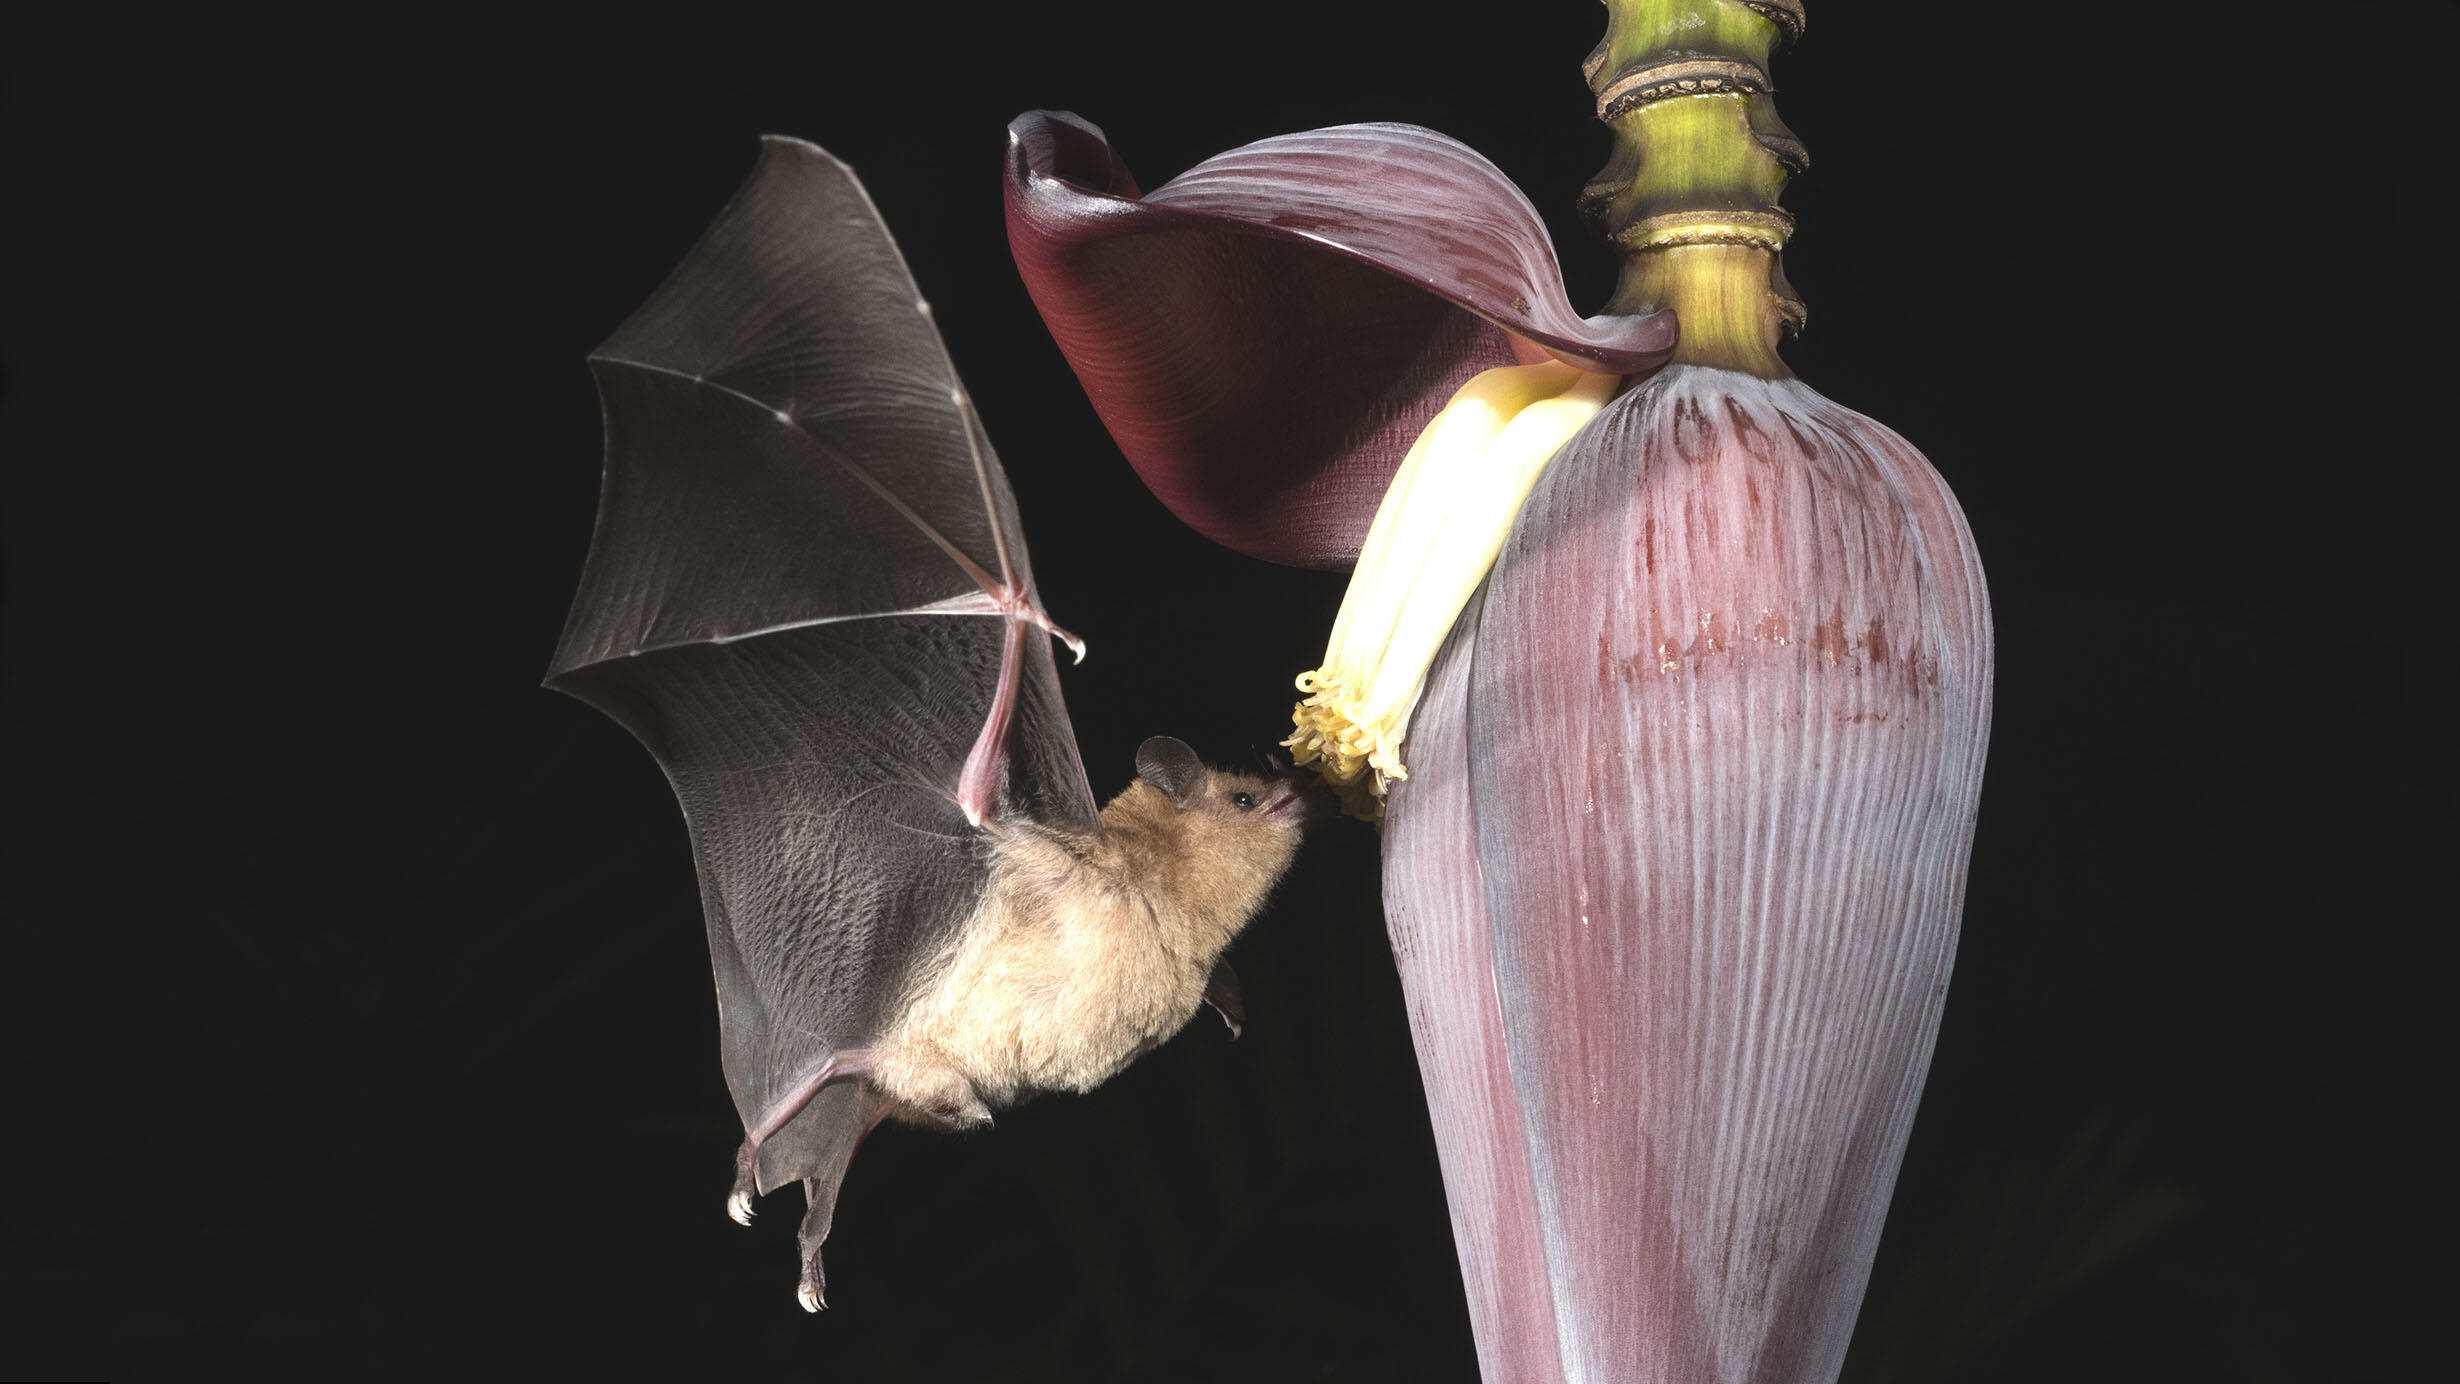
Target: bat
[{"x": 807, "y": 595}]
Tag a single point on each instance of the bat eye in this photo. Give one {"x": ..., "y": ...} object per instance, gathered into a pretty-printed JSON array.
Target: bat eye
[{"x": 1243, "y": 801}]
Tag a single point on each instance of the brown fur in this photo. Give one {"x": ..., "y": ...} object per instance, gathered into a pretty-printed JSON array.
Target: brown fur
[{"x": 1088, "y": 952}]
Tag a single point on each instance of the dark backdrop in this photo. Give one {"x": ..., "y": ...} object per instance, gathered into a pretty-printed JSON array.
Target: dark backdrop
[{"x": 361, "y": 1014}]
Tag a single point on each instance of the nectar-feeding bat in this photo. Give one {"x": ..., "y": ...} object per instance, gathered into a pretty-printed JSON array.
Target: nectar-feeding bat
[{"x": 808, "y": 595}]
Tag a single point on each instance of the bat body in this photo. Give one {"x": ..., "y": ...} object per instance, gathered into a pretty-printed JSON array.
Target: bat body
[
  {"x": 1086, "y": 951},
  {"x": 808, "y": 596}
]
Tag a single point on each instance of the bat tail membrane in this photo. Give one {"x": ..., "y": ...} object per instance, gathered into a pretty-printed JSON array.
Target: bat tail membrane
[
  {"x": 846, "y": 1066},
  {"x": 813, "y": 1140}
]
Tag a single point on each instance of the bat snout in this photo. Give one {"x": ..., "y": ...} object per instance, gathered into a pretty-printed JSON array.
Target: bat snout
[{"x": 1301, "y": 799}]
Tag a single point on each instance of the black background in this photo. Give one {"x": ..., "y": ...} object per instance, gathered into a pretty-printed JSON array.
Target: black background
[{"x": 360, "y": 1015}]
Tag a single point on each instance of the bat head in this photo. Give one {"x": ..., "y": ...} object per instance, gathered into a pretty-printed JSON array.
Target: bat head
[
  {"x": 1222, "y": 840},
  {"x": 1280, "y": 795}
]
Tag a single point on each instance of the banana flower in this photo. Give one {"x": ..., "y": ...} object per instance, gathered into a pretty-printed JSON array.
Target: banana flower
[{"x": 1673, "y": 878}]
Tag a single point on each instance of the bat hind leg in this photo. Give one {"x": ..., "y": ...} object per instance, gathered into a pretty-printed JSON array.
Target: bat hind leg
[
  {"x": 820, "y": 1208},
  {"x": 813, "y": 1290},
  {"x": 840, "y": 1066}
]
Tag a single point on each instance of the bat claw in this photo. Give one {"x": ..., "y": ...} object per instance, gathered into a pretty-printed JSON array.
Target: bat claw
[{"x": 747, "y": 1183}]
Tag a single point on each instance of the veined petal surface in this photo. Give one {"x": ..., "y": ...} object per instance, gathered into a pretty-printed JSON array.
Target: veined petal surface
[
  {"x": 1722, "y": 734},
  {"x": 1444, "y": 948}
]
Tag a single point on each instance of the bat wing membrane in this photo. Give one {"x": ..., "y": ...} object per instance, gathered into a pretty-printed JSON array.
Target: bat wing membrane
[{"x": 808, "y": 596}]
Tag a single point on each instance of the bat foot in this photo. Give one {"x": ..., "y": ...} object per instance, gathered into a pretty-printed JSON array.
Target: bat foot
[
  {"x": 812, "y": 1292},
  {"x": 747, "y": 1183}
]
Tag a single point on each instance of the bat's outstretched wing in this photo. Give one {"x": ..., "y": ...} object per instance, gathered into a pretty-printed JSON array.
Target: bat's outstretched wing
[{"x": 808, "y": 595}]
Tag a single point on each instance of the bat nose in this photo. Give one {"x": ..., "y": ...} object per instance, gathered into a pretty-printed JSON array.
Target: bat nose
[{"x": 1303, "y": 797}]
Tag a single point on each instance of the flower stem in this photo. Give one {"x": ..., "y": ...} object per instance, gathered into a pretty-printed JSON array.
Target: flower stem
[{"x": 1689, "y": 196}]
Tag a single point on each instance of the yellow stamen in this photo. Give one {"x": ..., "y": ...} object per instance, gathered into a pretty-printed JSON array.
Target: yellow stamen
[{"x": 1442, "y": 523}]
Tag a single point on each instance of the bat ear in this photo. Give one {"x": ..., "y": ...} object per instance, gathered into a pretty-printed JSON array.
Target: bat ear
[{"x": 1171, "y": 766}]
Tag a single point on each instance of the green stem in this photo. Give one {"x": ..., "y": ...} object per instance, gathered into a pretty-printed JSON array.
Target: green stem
[{"x": 1689, "y": 197}]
